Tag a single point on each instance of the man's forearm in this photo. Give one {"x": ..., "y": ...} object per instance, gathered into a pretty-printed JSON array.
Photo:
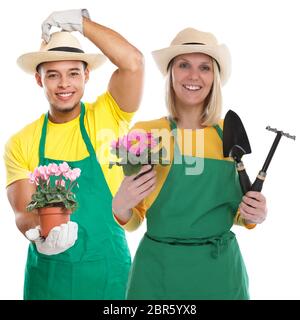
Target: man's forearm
[
  {"x": 26, "y": 220},
  {"x": 118, "y": 50},
  {"x": 19, "y": 195}
]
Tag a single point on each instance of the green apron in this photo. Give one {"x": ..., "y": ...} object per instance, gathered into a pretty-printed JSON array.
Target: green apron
[
  {"x": 188, "y": 251},
  {"x": 97, "y": 266}
]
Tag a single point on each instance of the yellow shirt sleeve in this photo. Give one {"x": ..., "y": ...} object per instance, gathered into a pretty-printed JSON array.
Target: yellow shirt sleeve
[
  {"x": 136, "y": 219},
  {"x": 16, "y": 165},
  {"x": 117, "y": 113},
  {"x": 238, "y": 220}
]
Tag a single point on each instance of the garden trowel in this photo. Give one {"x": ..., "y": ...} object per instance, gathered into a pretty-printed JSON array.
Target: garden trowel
[{"x": 235, "y": 145}]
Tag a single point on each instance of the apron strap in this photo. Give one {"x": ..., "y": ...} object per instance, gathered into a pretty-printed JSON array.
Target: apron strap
[
  {"x": 84, "y": 135},
  {"x": 172, "y": 122},
  {"x": 219, "y": 131},
  {"x": 173, "y": 126},
  {"x": 43, "y": 140}
]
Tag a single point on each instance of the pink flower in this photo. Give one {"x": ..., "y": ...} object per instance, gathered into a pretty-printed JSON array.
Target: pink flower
[
  {"x": 53, "y": 169},
  {"x": 36, "y": 173},
  {"x": 67, "y": 174},
  {"x": 43, "y": 174},
  {"x": 125, "y": 142},
  {"x": 151, "y": 141},
  {"x": 116, "y": 143},
  {"x": 64, "y": 167},
  {"x": 60, "y": 183},
  {"x": 137, "y": 142},
  {"x": 72, "y": 175},
  {"x": 32, "y": 178},
  {"x": 137, "y": 136},
  {"x": 137, "y": 149},
  {"x": 76, "y": 172}
]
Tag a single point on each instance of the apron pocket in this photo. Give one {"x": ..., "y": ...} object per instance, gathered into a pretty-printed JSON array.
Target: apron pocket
[
  {"x": 47, "y": 280},
  {"x": 53, "y": 280},
  {"x": 195, "y": 274},
  {"x": 163, "y": 271},
  {"x": 89, "y": 280}
]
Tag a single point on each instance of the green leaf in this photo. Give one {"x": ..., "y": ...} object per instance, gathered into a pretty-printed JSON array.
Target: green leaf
[
  {"x": 31, "y": 206},
  {"x": 49, "y": 197},
  {"x": 70, "y": 196},
  {"x": 130, "y": 169}
]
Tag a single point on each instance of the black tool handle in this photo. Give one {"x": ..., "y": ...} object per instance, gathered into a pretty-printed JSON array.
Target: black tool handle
[
  {"x": 259, "y": 181},
  {"x": 271, "y": 152},
  {"x": 243, "y": 177},
  {"x": 244, "y": 181}
]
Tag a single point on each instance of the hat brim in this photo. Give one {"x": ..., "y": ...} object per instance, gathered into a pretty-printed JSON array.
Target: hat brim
[
  {"x": 220, "y": 53},
  {"x": 29, "y": 61}
]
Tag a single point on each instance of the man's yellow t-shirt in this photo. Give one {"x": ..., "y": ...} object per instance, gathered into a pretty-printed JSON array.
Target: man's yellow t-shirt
[{"x": 104, "y": 121}]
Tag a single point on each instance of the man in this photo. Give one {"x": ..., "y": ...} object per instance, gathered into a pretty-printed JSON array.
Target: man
[{"x": 87, "y": 258}]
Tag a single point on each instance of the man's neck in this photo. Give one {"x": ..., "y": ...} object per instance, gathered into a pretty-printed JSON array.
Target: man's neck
[{"x": 56, "y": 116}]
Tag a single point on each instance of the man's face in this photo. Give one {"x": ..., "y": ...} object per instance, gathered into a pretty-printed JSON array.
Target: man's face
[{"x": 63, "y": 83}]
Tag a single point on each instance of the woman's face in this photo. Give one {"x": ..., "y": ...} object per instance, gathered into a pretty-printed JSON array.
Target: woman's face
[{"x": 192, "y": 78}]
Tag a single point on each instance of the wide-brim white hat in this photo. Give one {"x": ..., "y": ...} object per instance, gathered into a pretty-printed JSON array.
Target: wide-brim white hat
[
  {"x": 191, "y": 40},
  {"x": 61, "y": 46}
]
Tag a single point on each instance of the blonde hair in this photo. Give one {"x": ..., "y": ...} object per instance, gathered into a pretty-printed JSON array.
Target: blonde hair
[{"x": 213, "y": 102}]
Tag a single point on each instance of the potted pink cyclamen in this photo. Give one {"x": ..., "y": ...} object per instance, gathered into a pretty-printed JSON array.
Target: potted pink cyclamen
[
  {"x": 137, "y": 149},
  {"x": 53, "y": 198}
]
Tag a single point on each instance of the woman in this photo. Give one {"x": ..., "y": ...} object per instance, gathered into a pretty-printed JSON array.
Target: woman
[{"x": 188, "y": 251}]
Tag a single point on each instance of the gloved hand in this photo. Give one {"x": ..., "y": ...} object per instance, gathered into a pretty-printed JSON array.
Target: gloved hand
[
  {"x": 58, "y": 240},
  {"x": 68, "y": 20}
]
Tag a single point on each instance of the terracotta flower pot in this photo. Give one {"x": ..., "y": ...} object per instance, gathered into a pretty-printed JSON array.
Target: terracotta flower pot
[{"x": 51, "y": 217}]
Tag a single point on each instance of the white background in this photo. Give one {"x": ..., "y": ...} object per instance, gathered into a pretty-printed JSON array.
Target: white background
[{"x": 263, "y": 37}]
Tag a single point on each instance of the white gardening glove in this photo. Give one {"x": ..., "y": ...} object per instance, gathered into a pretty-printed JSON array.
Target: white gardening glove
[
  {"x": 68, "y": 20},
  {"x": 59, "y": 239}
]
